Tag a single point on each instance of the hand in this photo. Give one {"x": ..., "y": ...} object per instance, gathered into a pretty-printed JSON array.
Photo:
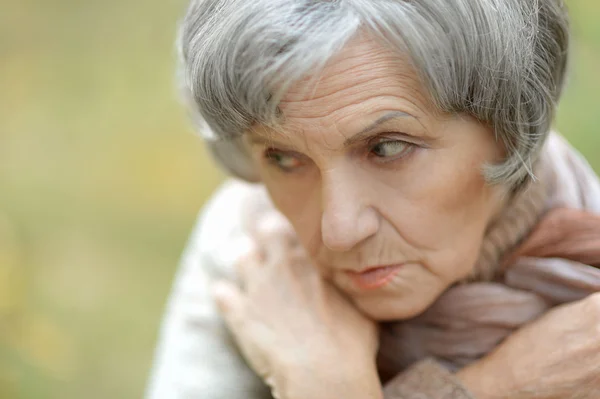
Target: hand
[
  {"x": 296, "y": 330},
  {"x": 557, "y": 356}
]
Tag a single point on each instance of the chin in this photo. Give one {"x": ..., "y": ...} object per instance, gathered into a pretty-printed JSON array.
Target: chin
[{"x": 382, "y": 308}]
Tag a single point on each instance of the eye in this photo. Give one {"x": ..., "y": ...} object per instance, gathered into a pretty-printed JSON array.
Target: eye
[
  {"x": 286, "y": 162},
  {"x": 391, "y": 149}
]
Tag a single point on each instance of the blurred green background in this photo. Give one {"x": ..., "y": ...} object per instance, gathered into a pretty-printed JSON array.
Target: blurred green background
[{"x": 101, "y": 178}]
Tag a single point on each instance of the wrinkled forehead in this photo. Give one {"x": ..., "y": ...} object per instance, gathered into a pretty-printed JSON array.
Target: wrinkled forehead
[
  {"x": 358, "y": 85},
  {"x": 361, "y": 84},
  {"x": 363, "y": 65}
]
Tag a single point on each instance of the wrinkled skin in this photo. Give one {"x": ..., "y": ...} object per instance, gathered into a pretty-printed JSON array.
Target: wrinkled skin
[{"x": 407, "y": 191}]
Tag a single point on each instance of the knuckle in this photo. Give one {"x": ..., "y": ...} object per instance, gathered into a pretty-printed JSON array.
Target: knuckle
[
  {"x": 271, "y": 221},
  {"x": 244, "y": 260},
  {"x": 298, "y": 256},
  {"x": 274, "y": 226}
]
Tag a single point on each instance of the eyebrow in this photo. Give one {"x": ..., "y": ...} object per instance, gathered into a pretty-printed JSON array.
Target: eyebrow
[
  {"x": 256, "y": 138},
  {"x": 360, "y": 136},
  {"x": 367, "y": 131}
]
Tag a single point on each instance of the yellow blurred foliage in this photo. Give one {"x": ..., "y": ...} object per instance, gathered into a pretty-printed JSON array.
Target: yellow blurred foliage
[
  {"x": 40, "y": 342},
  {"x": 26, "y": 337}
]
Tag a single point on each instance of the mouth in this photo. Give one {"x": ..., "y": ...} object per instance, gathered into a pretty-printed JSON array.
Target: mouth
[{"x": 374, "y": 277}]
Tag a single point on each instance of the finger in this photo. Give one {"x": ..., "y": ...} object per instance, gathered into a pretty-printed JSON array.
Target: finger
[
  {"x": 267, "y": 221},
  {"x": 275, "y": 223},
  {"x": 246, "y": 267},
  {"x": 234, "y": 309},
  {"x": 231, "y": 304},
  {"x": 302, "y": 269},
  {"x": 276, "y": 236},
  {"x": 284, "y": 253}
]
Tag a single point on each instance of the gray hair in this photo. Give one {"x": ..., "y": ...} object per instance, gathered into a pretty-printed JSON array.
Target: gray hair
[{"x": 500, "y": 61}]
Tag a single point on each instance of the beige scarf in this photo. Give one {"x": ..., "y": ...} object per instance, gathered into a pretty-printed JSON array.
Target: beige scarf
[{"x": 543, "y": 251}]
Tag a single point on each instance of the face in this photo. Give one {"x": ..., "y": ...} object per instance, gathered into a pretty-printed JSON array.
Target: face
[{"x": 385, "y": 193}]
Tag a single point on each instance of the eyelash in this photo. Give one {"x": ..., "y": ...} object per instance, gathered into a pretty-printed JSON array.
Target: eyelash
[
  {"x": 271, "y": 154},
  {"x": 405, "y": 151}
]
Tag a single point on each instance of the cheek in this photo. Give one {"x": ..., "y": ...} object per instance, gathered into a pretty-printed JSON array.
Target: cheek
[
  {"x": 439, "y": 194},
  {"x": 441, "y": 211},
  {"x": 456, "y": 185},
  {"x": 457, "y": 188}
]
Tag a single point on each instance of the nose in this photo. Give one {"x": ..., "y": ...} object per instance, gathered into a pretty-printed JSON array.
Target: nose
[{"x": 348, "y": 217}]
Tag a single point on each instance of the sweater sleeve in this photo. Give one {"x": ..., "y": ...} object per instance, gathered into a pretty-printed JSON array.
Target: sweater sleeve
[
  {"x": 195, "y": 356},
  {"x": 425, "y": 380}
]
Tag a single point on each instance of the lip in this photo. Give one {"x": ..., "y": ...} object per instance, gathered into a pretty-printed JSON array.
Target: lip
[{"x": 374, "y": 277}]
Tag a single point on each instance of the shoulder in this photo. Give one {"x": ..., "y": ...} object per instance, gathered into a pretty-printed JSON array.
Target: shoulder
[
  {"x": 221, "y": 233},
  {"x": 195, "y": 356}
]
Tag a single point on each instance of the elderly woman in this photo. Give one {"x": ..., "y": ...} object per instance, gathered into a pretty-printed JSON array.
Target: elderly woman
[{"x": 410, "y": 226}]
